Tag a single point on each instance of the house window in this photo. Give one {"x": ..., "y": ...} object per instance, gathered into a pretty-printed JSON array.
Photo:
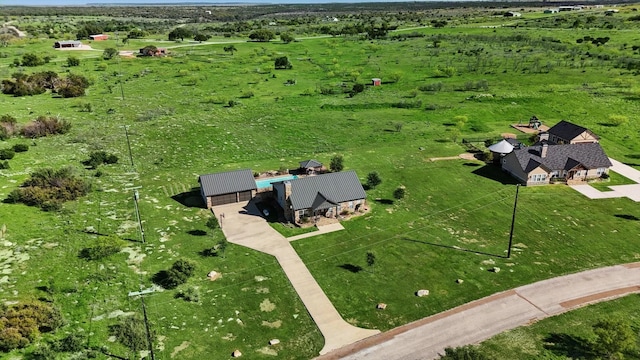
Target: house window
[
  {"x": 350, "y": 204},
  {"x": 301, "y": 213},
  {"x": 539, "y": 177},
  {"x": 555, "y": 173},
  {"x": 578, "y": 173},
  {"x": 600, "y": 171}
]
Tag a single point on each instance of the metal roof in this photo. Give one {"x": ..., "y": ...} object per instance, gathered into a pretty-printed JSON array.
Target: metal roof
[
  {"x": 503, "y": 147},
  {"x": 68, "y": 42},
  {"x": 227, "y": 182},
  {"x": 335, "y": 188},
  {"x": 310, "y": 164},
  {"x": 562, "y": 157}
]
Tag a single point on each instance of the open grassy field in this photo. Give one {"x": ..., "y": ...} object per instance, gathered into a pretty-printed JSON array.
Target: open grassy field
[{"x": 203, "y": 110}]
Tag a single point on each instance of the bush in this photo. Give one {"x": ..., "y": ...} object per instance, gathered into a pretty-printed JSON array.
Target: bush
[
  {"x": 7, "y": 154},
  {"x": 70, "y": 343},
  {"x": 20, "y": 148},
  {"x": 131, "y": 332},
  {"x": 97, "y": 158},
  {"x": 73, "y": 61},
  {"x": 48, "y": 188},
  {"x": 20, "y": 324},
  {"x": 399, "y": 193},
  {"x": 4, "y": 165},
  {"x": 283, "y": 63},
  {"x": 177, "y": 275},
  {"x": 104, "y": 246},
  {"x": 373, "y": 179},
  {"x": 43, "y": 126},
  {"x": 191, "y": 294}
]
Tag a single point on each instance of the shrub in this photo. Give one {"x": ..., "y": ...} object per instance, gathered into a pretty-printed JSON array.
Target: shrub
[
  {"x": 7, "y": 154},
  {"x": 104, "y": 247},
  {"x": 43, "y": 126},
  {"x": 97, "y": 158},
  {"x": 22, "y": 323},
  {"x": 70, "y": 343},
  {"x": 373, "y": 179},
  {"x": 20, "y": 147},
  {"x": 399, "y": 193},
  {"x": 283, "y": 63},
  {"x": 337, "y": 163},
  {"x": 191, "y": 294},
  {"x": 131, "y": 332},
  {"x": 48, "y": 188},
  {"x": 4, "y": 165},
  {"x": 177, "y": 275},
  {"x": 73, "y": 61}
]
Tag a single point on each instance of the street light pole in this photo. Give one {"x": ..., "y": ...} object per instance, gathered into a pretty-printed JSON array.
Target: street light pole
[{"x": 513, "y": 222}]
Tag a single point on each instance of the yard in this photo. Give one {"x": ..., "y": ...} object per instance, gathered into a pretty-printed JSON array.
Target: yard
[{"x": 452, "y": 224}]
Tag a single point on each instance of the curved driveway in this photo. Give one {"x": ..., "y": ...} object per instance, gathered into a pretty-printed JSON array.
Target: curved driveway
[{"x": 481, "y": 319}]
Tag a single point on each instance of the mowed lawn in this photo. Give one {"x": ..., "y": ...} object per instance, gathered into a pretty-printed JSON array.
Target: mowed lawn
[{"x": 453, "y": 223}]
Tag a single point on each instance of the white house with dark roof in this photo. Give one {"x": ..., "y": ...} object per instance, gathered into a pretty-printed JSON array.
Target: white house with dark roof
[
  {"x": 227, "y": 187},
  {"x": 543, "y": 163},
  {"x": 327, "y": 195}
]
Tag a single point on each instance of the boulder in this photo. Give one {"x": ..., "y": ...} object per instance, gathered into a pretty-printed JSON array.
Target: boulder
[
  {"x": 495, "y": 269},
  {"x": 381, "y": 306},
  {"x": 459, "y": 281},
  {"x": 236, "y": 354},
  {"x": 214, "y": 275},
  {"x": 274, "y": 342},
  {"x": 422, "y": 293}
]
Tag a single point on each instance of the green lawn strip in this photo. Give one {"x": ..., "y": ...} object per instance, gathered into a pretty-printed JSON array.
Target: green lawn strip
[
  {"x": 561, "y": 336},
  {"x": 614, "y": 179}
]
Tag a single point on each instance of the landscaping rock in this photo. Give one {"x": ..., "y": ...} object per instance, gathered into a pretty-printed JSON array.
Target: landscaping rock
[
  {"x": 421, "y": 293},
  {"x": 274, "y": 342},
  {"x": 459, "y": 281},
  {"x": 214, "y": 275},
  {"x": 495, "y": 269},
  {"x": 236, "y": 354},
  {"x": 381, "y": 306}
]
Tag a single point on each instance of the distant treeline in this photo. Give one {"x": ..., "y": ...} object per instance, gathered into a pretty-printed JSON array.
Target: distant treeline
[{"x": 200, "y": 13}]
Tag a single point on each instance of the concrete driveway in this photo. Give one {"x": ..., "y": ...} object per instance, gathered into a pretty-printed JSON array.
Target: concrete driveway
[
  {"x": 479, "y": 320},
  {"x": 243, "y": 225},
  {"x": 631, "y": 191}
]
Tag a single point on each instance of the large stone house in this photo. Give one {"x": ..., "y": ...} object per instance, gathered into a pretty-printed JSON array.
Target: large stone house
[
  {"x": 544, "y": 163},
  {"x": 327, "y": 195},
  {"x": 566, "y": 152}
]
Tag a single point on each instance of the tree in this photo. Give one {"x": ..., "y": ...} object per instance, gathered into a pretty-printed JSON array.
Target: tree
[
  {"x": 283, "y": 63},
  {"x": 399, "y": 192},
  {"x": 287, "y": 38},
  {"x": 73, "y": 61},
  {"x": 179, "y": 33},
  {"x": 336, "y": 164},
  {"x": 149, "y": 50},
  {"x": 109, "y": 53},
  {"x": 201, "y": 37},
  {"x": 222, "y": 246},
  {"x": 614, "y": 337},
  {"x": 230, "y": 49},
  {"x": 30, "y": 59},
  {"x": 371, "y": 260},
  {"x": 468, "y": 352},
  {"x": 262, "y": 35},
  {"x": 373, "y": 179},
  {"x": 135, "y": 34}
]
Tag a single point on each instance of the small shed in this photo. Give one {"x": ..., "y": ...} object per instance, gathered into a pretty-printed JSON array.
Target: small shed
[
  {"x": 310, "y": 166},
  {"x": 99, "y": 37},
  {"x": 67, "y": 44},
  {"x": 227, "y": 187},
  {"x": 376, "y": 82}
]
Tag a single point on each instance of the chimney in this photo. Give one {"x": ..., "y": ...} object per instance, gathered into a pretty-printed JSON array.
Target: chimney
[{"x": 543, "y": 152}]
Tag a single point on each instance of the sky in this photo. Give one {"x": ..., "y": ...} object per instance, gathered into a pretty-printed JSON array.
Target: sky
[{"x": 121, "y": 2}]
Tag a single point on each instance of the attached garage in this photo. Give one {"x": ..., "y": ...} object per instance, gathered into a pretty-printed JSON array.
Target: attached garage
[{"x": 227, "y": 187}]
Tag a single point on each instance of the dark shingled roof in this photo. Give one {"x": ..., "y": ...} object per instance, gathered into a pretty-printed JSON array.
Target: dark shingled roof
[
  {"x": 562, "y": 157},
  {"x": 310, "y": 164},
  {"x": 318, "y": 192},
  {"x": 568, "y": 131},
  {"x": 227, "y": 182}
]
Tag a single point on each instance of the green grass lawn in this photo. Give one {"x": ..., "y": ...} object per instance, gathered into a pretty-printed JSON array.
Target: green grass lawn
[
  {"x": 453, "y": 222},
  {"x": 562, "y": 336},
  {"x": 614, "y": 179}
]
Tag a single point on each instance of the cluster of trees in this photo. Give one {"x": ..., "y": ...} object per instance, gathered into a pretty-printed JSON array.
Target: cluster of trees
[
  {"x": 262, "y": 35},
  {"x": 595, "y": 41},
  {"x": 22, "y": 84},
  {"x": 31, "y": 60},
  {"x": 48, "y": 189},
  {"x": 177, "y": 274},
  {"x": 22, "y": 323}
]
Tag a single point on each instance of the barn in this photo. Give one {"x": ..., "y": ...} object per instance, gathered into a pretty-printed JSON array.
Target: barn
[
  {"x": 99, "y": 37},
  {"x": 227, "y": 187}
]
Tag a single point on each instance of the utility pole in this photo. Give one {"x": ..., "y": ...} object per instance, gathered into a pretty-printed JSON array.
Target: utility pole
[
  {"x": 513, "y": 221},
  {"x": 126, "y": 134},
  {"x": 146, "y": 325},
  {"x": 136, "y": 196}
]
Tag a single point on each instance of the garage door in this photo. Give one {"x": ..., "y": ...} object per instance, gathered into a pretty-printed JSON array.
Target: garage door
[
  {"x": 245, "y": 195},
  {"x": 223, "y": 199}
]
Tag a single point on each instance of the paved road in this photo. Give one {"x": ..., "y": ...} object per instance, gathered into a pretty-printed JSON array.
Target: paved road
[
  {"x": 243, "y": 225},
  {"x": 479, "y": 320}
]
